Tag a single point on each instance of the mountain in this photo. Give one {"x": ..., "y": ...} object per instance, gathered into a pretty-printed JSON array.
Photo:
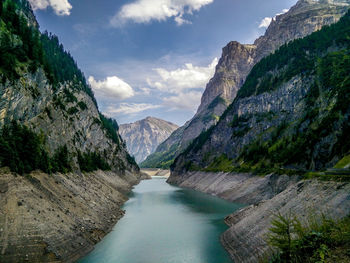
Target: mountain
[
  {"x": 143, "y": 137},
  {"x": 236, "y": 62},
  {"x": 282, "y": 146},
  {"x": 65, "y": 170},
  {"x": 291, "y": 112}
]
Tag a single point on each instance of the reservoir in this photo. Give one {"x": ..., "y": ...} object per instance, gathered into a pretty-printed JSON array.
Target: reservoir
[{"x": 166, "y": 224}]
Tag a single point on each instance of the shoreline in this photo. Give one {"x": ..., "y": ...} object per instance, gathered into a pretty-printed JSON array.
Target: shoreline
[
  {"x": 265, "y": 196},
  {"x": 58, "y": 218}
]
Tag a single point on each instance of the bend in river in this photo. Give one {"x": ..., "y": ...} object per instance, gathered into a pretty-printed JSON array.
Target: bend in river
[{"x": 164, "y": 223}]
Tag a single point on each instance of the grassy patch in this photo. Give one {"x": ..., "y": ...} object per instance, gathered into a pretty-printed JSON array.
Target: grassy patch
[
  {"x": 221, "y": 164},
  {"x": 327, "y": 177},
  {"x": 343, "y": 163}
]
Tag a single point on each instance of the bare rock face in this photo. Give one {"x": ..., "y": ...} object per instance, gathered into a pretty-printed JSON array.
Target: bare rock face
[
  {"x": 71, "y": 120},
  {"x": 237, "y": 60},
  {"x": 143, "y": 137},
  {"x": 234, "y": 64},
  {"x": 304, "y": 18},
  {"x": 59, "y": 217}
]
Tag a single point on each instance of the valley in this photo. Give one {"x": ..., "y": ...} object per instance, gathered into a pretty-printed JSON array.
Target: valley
[{"x": 260, "y": 172}]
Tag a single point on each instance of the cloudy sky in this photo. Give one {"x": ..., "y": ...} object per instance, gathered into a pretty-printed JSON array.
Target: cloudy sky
[{"x": 152, "y": 57}]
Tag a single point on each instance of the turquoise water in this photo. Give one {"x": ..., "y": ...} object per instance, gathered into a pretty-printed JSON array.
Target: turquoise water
[{"x": 166, "y": 224}]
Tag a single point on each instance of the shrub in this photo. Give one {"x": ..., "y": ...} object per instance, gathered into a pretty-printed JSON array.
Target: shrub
[{"x": 318, "y": 241}]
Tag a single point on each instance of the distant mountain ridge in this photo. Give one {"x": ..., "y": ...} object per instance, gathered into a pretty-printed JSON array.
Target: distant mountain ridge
[
  {"x": 143, "y": 137},
  {"x": 236, "y": 62}
]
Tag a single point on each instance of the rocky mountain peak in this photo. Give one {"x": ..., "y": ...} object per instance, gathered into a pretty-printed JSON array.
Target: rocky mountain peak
[
  {"x": 143, "y": 137},
  {"x": 304, "y": 18}
]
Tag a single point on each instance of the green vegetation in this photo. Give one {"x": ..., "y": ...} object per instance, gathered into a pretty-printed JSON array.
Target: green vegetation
[
  {"x": 343, "y": 163},
  {"x": 240, "y": 125},
  {"x": 111, "y": 127},
  {"x": 197, "y": 143},
  {"x": 221, "y": 164},
  {"x": 131, "y": 159},
  {"x": 218, "y": 100},
  {"x": 26, "y": 48},
  {"x": 317, "y": 139},
  {"x": 298, "y": 57},
  {"x": 324, "y": 241},
  {"x": 60, "y": 161},
  {"x": 22, "y": 45},
  {"x": 92, "y": 161},
  {"x": 82, "y": 105},
  {"x": 72, "y": 110},
  {"x": 162, "y": 160},
  {"x": 23, "y": 151}
]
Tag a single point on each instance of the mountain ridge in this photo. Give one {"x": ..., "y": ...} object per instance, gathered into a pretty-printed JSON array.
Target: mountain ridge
[
  {"x": 237, "y": 60},
  {"x": 143, "y": 137},
  {"x": 294, "y": 93}
]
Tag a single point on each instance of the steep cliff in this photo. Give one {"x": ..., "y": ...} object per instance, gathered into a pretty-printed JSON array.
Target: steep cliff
[
  {"x": 289, "y": 122},
  {"x": 143, "y": 137},
  {"x": 49, "y": 120},
  {"x": 236, "y": 62},
  {"x": 43, "y": 89},
  {"x": 291, "y": 113}
]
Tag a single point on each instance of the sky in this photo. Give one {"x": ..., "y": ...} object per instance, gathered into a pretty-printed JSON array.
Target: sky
[{"x": 152, "y": 57}]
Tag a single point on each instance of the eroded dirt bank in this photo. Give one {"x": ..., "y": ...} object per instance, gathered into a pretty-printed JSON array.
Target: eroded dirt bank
[{"x": 58, "y": 218}]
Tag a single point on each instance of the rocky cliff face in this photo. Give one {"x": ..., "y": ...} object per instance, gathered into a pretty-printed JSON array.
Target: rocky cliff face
[
  {"x": 287, "y": 114},
  {"x": 143, "y": 137},
  {"x": 65, "y": 115},
  {"x": 237, "y": 60},
  {"x": 56, "y": 217},
  {"x": 290, "y": 116}
]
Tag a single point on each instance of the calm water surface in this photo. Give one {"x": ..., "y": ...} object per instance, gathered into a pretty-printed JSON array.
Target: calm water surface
[{"x": 166, "y": 224}]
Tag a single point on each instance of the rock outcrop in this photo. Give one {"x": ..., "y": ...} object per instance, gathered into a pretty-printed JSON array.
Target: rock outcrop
[
  {"x": 237, "y": 60},
  {"x": 143, "y": 137},
  {"x": 291, "y": 116},
  {"x": 288, "y": 114},
  {"x": 55, "y": 217},
  {"x": 66, "y": 115}
]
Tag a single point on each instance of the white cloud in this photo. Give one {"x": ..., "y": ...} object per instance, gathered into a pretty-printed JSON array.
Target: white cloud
[
  {"x": 129, "y": 108},
  {"x": 187, "y": 77},
  {"x": 145, "y": 11},
  {"x": 61, "y": 7},
  {"x": 111, "y": 87},
  {"x": 181, "y": 21},
  {"x": 267, "y": 20},
  {"x": 187, "y": 101}
]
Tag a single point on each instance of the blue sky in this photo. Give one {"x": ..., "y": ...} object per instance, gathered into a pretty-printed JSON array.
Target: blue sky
[{"x": 152, "y": 57}]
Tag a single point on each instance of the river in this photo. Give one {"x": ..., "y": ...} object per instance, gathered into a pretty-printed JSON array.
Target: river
[{"x": 166, "y": 224}]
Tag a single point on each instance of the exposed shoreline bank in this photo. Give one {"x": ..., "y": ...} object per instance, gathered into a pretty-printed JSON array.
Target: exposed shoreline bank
[
  {"x": 58, "y": 218},
  {"x": 265, "y": 196}
]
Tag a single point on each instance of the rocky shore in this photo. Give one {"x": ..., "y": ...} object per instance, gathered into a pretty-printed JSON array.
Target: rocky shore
[
  {"x": 58, "y": 218},
  {"x": 245, "y": 240}
]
